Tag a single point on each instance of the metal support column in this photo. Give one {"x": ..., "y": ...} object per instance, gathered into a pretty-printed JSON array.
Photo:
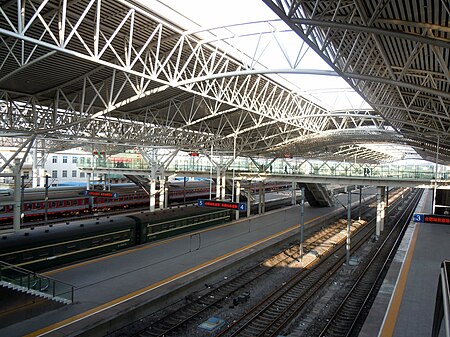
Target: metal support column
[
  {"x": 302, "y": 221},
  {"x": 349, "y": 223},
  {"x": 46, "y": 199},
  {"x": 218, "y": 182},
  {"x": 293, "y": 201},
  {"x": 383, "y": 207},
  {"x": 359, "y": 205},
  {"x": 152, "y": 195},
  {"x": 249, "y": 201},
  {"x": 222, "y": 187},
  {"x": 379, "y": 212},
  {"x": 17, "y": 196},
  {"x": 238, "y": 196},
  {"x": 263, "y": 197},
  {"x": 166, "y": 192},
  {"x": 260, "y": 186},
  {"x": 162, "y": 193},
  {"x": 35, "y": 169}
]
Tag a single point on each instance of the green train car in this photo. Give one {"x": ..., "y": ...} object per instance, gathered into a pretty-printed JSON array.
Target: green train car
[{"x": 50, "y": 246}]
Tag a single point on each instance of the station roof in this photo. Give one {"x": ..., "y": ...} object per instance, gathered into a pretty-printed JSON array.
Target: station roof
[{"x": 115, "y": 74}]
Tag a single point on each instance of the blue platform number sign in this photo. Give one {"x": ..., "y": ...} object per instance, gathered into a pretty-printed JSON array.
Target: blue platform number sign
[
  {"x": 201, "y": 202},
  {"x": 242, "y": 206},
  {"x": 418, "y": 217}
]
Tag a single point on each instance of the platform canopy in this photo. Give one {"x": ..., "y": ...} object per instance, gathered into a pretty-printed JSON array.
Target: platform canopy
[{"x": 117, "y": 75}]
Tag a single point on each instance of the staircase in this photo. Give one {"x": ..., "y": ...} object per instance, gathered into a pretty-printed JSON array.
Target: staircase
[
  {"x": 140, "y": 181},
  {"x": 21, "y": 280},
  {"x": 317, "y": 195}
]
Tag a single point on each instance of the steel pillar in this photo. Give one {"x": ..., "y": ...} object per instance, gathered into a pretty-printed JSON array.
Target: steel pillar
[
  {"x": 294, "y": 197},
  {"x": 238, "y": 195},
  {"x": 222, "y": 186},
  {"x": 383, "y": 206},
  {"x": 260, "y": 187},
  {"x": 218, "y": 182},
  {"x": 249, "y": 202},
  {"x": 152, "y": 195},
  {"x": 380, "y": 211},
  {"x": 349, "y": 223},
  {"x": 166, "y": 192},
  {"x": 162, "y": 193},
  {"x": 17, "y": 196},
  {"x": 302, "y": 222}
]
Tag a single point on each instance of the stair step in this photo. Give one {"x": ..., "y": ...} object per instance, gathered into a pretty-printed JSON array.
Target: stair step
[{"x": 33, "y": 292}]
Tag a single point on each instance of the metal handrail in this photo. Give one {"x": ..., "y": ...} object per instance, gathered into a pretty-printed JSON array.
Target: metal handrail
[{"x": 32, "y": 281}]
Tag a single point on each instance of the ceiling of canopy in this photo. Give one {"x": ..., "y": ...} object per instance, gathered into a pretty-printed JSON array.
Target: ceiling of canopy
[{"x": 120, "y": 75}]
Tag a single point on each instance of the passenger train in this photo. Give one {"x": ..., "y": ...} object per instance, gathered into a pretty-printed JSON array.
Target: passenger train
[
  {"x": 72, "y": 201},
  {"x": 53, "y": 245}
]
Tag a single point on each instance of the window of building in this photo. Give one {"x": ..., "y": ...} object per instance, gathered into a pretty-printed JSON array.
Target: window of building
[
  {"x": 26, "y": 174},
  {"x": 81, "y": 160},
  {"x": 54, "y": 174},
  {"x": 74, "y": 159},
  {"x": 54, "y": 159},
  {"x": 65, "y": 159},
  {"x": 74, "y": 173},
  {"x": 64, "y": 173},
  {"x": 82, "y": 175}
]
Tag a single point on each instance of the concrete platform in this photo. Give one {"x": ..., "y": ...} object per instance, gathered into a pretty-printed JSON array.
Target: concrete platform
[
  {"x": 109, "y": 286},
  {"x": 405, "y": 303}
]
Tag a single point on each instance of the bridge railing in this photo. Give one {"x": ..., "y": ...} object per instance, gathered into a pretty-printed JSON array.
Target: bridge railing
[{"x": 325, "y": 169}]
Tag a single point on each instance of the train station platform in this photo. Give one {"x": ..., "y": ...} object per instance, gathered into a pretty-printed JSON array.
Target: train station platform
[
  {"x": 109, "y": 286},
  {"x": 405, "y": 304}
]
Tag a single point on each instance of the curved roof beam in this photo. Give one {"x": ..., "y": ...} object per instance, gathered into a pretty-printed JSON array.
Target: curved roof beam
[{"x": 125, "y": 66}]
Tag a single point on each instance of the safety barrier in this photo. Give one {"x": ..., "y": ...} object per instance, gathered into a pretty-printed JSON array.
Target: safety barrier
[{"x": 32, "y": 283}]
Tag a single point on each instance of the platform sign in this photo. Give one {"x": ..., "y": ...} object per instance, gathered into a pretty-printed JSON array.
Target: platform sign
[
  {"x": 432, "y": 218},
  {"x": 418, "y": 217},
  {"x": 238, "y": 206},
  {"x": 106, "y": 194}
]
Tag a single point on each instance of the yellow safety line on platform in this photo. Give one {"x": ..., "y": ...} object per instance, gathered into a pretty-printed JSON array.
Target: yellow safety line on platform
[
  {"x": 390, "y": 319},
  {"x": 125, "y": 298},
  {"x": 151, "y": 245}
]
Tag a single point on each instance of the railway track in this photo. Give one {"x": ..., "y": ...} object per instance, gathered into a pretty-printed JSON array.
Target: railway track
[
  {"x": 276, "y": 311},
  {"x": 347, "y": 318},
  {"x": 314, "y": 246}
]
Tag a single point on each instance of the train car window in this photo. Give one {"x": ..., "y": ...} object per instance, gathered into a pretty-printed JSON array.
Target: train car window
[
  {"x": 117, "y": 236},
  {"x": 95, "y": 242},
  {"x": 61, "y": 203},
  {"x": 75, "y": 202},
  {"x": 107, "y": 239},
  {"x": 43, "y": 253},
  {"x": 37, "y": 205},
  {"x": 68, "y": 203},
  {"x": 2, "y": 208},
  {"x": 26, "y": 256},
  {"x": 53, "y": 204},
  {"x": 71, "y": 247}
]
